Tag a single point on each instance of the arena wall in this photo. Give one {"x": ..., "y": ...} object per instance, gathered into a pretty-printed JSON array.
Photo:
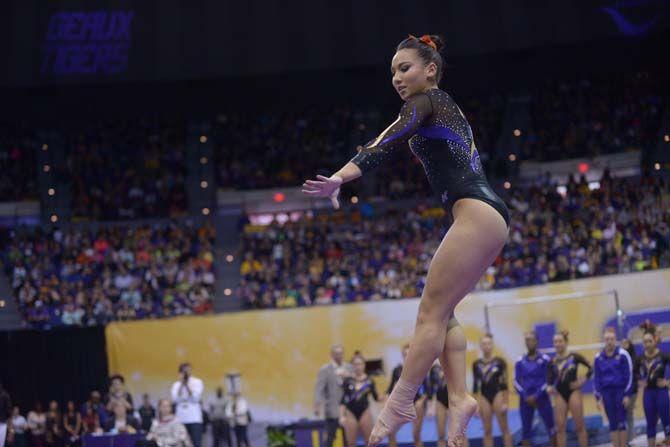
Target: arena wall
[{"x": 278, "y": 352}]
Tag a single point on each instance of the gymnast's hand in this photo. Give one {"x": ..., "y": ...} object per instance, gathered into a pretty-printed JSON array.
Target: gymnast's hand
[{"x": 324, "y": 187}]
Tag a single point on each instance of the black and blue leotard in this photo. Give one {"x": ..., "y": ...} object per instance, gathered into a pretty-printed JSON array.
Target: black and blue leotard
[
  {"x": 356, "y": 398},
  {"x": 441, "y": 138}
]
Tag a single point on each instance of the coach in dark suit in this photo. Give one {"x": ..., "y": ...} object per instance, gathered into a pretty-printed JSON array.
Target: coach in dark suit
[{"x": 328, "y": 391}]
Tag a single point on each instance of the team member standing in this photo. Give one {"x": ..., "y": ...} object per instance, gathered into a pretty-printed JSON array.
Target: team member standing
[
  {"x": 420, "y": 400},
  {"x": 355, "y": 408},
  {"x": 565, "y": 385},
  {"x": 653, "y": 364},
  {"x": 627, "y": 344},
  {"x": 489, "y": 384},
  {"x": 440, "y": 394},
  {"x": 530, "y": 381},
  {"x": 613, "y": 378}
]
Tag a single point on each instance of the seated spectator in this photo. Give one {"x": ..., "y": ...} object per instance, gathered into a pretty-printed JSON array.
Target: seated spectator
[
  {"x": 93, "y": 409},
  {"x": 54, "y": 426},
  {"x": 20, "y": 428},
  {"x": 120, "y": 421},
  {"x": 166, "y": 430},
  {"x": 72, "y": 425},
  {"x": 91, "y": 421},
  {"x": 118, "y": 394},
  {"x": 37, "y": 421},
  {"x": 147, "y": 413}
]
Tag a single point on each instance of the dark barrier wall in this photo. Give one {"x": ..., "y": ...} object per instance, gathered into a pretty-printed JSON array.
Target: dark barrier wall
[
  {"x": 75, "y": 40},
  {"x": 60, "y": 365}
]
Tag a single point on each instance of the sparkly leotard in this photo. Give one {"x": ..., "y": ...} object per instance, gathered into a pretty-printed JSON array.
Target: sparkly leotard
[
  {"x": 356, "y": 399},
  {"x": 653, "y": 368},
  {"x": 489, "y": 377},
  {"x": 438, "y": 383},
  {"x": 441, "y": 138},
  {"x": 563, "y": 372}
]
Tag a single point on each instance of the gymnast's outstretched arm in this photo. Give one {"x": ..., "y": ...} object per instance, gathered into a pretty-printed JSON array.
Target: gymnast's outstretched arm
[{"x": 413, "y": 113}]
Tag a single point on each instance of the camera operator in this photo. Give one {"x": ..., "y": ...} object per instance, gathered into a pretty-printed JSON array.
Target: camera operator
[{"x": 186, "y": 394}]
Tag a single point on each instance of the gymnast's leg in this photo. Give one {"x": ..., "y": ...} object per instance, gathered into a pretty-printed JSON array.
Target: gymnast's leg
[{"x": 469, "y": 247}]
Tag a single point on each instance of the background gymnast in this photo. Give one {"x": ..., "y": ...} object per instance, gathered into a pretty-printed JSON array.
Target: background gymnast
[
  {"x": 566, "y": 386},
  {"x": 489, "y": 384}
]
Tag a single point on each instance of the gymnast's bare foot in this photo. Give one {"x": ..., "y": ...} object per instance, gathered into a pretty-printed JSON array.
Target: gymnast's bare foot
[{"x": 461, "y": 411}]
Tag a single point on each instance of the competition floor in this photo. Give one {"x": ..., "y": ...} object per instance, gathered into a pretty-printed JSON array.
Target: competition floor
[{"x": 598, "y": 433}]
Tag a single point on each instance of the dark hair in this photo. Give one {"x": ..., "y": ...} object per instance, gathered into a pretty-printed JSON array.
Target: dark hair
[
  {"x": 427, "y": 53},
  {"x": 183, "y": 366},
  {"x": 115, "y": 377},
  {"x": 564, "y": 334},
  {"x": 648, "y": 328},
  {"x": 359, "y": 355},
  {"x": 611, "y": 329}
]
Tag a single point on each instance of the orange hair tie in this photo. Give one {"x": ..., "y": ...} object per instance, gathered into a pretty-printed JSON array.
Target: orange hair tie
[
  {"x": 428, "y": 41},
  {"x": 425, "y": 39}
]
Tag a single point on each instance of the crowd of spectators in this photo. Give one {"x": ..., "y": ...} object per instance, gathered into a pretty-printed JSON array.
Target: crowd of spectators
[
  {"x": 64, "y": 426},
  {"x": 132, "y": 169},
  {"x": 177, "y": 421},
  {"x": 270, "y": 149},
  {"x": 619, "y": 227},
  {"x": 127, "y": 169},
  {"x": 87, "y": 277},
  {"x": 568, "y": 119},
  {"x": 282, "y": 149},
  {"x": 586, "y": 118}
]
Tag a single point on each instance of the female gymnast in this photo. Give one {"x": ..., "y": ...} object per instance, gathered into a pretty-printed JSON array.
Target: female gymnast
[
  {"x": 530, "y": 381},
  {"x": 440, "y": 404},
  {"x": 422, "y": 396},
  {"x": 440, "y": 136},
  {"x": 489, "y": 382},
  {"x": 355, "y": 407},
  {"x": 612, "y": 379},
  {"x": 565, "y": 386},
  {"x": 628, "y": 345},
  {"x": 652, "y": 367}
]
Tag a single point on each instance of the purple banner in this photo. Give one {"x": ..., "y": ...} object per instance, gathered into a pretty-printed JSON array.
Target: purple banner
[{"x": 87, "y": 43}]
